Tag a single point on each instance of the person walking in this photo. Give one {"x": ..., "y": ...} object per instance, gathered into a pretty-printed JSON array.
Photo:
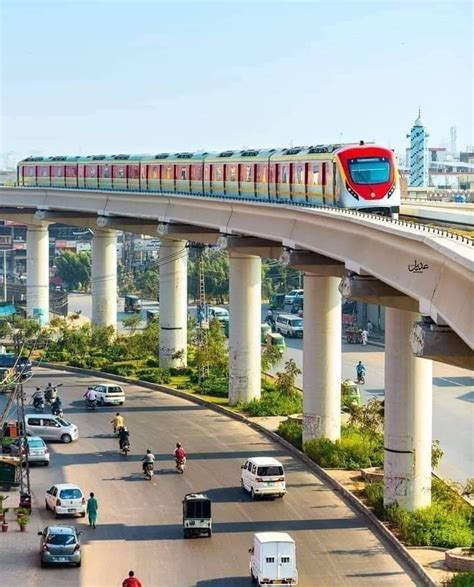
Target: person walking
[
  {"x": 131, "y": 581},
  {"x": 92, "y": 508},
  {"x": 364, "y": 335}
]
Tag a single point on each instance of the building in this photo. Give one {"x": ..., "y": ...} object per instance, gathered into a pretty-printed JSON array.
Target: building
[{"x": 418, "y": 154}]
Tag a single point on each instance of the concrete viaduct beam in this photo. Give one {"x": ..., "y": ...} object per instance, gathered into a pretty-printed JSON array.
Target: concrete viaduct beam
[
  {"x": 369, "y": 289},
  {"x": 440, "y": 343},
  {"x": 189, "y": 232},
  {"x": 313, "y": 263},
  {"x": 250, "y": 245}
]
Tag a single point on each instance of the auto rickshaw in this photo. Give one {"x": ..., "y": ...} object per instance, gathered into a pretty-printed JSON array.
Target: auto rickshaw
[
  {"x": 132, "y": 303},
  {"x": 277, "y": 301},
  {"x": 277, "y": 340},
  {"x": 264, "y": 330},
  {"x": 152, "y": 315},
  {"x": 197, "y": 518}
]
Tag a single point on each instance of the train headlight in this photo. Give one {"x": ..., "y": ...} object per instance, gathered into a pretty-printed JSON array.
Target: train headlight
[{"x": 351, "y": 191}]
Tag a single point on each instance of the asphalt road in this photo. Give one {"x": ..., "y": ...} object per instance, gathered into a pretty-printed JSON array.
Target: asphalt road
[
  {"x": 453, "y": 394},
  {"x": 139, "y": 524}
]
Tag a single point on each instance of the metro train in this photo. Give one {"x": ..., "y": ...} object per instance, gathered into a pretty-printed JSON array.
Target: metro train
[{"x": 355, "y": 176}]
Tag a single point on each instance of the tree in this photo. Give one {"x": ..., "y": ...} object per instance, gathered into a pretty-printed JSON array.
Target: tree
[
  {"x": 24, "y": 329},
  {"x": 271, "y": 356},
  {"x": 132, "y": 322},
  {"x": 74, "y": 269},
  {"x": 214, "y": 353},
  {"x": 285, "y": 381}
]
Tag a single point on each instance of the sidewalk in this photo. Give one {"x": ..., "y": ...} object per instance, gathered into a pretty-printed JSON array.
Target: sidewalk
[{"x": 19, "y": 551}]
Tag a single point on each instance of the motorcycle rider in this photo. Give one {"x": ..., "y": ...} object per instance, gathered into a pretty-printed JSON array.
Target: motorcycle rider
[
  {"x": 57, "y": 406},
  {"x": 179, "y": 454},
  {"x": 149, "y": 458},
  {"x": 124, "y": 437},
  {"x": 49, "y": 392},
  {"x": 360, "y": 370},
  {"x": 269, "y": 319},
  {"x": 38, "y": 399},
  {"x": 117, "y": 422},
  {"x": 90, "y": 396}
]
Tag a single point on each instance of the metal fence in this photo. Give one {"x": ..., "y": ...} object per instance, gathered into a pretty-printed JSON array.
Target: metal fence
[{"x": 58, "y": 300}]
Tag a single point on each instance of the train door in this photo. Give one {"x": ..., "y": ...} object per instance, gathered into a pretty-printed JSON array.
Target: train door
[
  {"x": 272, "y": 181},
  {"x": 323, "y": 180}
]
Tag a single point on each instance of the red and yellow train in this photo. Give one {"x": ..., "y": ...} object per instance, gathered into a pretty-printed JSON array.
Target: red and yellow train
[{"x": 356, "y": 176}]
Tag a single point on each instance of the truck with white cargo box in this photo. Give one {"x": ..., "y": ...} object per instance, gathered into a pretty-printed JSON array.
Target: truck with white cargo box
[{"x": 273, "y": 559}]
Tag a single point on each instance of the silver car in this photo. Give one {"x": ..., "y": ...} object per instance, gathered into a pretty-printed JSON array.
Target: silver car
[
  {"x": 51, "y": 427},
  {"x": 60, "y": 545},
  {"x": 37, "y": 450}
]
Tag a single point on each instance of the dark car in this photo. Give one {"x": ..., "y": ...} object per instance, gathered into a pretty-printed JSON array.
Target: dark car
[
  {"x": 21, "y": 365},
  {"x": 60, "y": 545}
]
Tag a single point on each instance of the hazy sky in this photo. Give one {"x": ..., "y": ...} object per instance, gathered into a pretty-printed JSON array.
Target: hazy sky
[{"x": 108, "y": 76}]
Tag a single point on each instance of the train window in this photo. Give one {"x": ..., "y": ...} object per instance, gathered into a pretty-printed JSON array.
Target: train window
[
  {"x": 284, "y": 175},
  {"x": 183, "y": 173},
  {"x": 168, "y": 172},
  {"x": 248, "y": 173},
  {"x": 71, "y": 171},
  {"x": 233, "y": 173},
  {"x": 91, "y": 171},
  {"x": 58, "y": 171},
  {"x": 104, "y": 171},
  {"x": 299, "y": 174},
  {"x": 154, "y": 172},
  {"x": 133, "y": 171},
  {"x": 315, "y": 174},
  {"x": 218, "y": 169},
  {"x": 44, "y": 171},
  {"x": 121, "y": 172},
  {"x": 31, "y": 171}
]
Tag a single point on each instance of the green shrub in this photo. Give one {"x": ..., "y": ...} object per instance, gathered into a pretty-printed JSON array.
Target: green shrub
[
  {"x": 292, "y": 432},
  {"x": 153, "y": 363},
  {"x": 449, "y": 499},
  {"x": 81, "y": 362},
  {"x": 121, "y": 369},
  {"x": 179, "y": 370},
  {"x": 97, "y": 362},
  {"x": 156, "y": 375},
  {"x": 374, "y": 493},
  {"x": 432, "y": 526},
  {"x": 274, "y": 403},
  {"x": 461, "y": 580},
  {"x": 355, "y": 449},
  {"x": 215, "y": 386}
]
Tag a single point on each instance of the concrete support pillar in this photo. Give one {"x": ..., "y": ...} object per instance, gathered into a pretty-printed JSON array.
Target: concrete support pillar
[
  {"x": 245, "y": 360},
  {"x": 173, "y": 264},
  {"x": 104, "y": 278},
  {"x": 408, "y": 416},
  {"x": 37, "y": 273},
  {"x": 321, "y": 358}
]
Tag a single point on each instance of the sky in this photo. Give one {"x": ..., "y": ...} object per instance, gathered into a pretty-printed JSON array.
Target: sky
[{"x": 139, "y": 76}]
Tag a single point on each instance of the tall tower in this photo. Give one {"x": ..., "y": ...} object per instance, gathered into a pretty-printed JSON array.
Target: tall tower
[
  {"x": 418, "y": 154},
  {"x": 453, "y": 133}
]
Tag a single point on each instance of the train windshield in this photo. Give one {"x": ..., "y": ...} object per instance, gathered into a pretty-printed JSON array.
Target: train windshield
[{"x": 369, "y": 170}]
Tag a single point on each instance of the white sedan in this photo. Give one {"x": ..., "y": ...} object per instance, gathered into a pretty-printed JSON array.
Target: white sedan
[{"x": 64, "y": 499}]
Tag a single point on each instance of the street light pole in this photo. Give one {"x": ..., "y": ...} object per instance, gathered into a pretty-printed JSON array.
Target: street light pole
[{"x": 5, "y": 276}]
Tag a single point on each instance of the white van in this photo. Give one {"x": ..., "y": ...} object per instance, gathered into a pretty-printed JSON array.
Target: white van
[
  {"x": 108, "y": 393},
  {"x": 289, "y": 325},
  {"x": 263, "y": 476},
  {"x": 220, "y": 314},
  {"x": 273, "y": 559}
]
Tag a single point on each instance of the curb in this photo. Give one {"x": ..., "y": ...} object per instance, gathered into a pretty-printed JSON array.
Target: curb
[{"x": 383, "y": 533}]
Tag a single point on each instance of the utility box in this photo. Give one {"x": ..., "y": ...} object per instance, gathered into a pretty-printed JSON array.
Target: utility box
[{"x": 273, "y": 559}]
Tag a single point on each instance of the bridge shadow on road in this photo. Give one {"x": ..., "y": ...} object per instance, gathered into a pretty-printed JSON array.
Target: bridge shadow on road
[{"x": 175, "y": 531}]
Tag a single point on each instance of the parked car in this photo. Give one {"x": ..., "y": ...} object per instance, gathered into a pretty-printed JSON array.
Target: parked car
[
  {"x": 273, "y": 559},
  {"x": 20, "y": 364},
  {"x": 37, "y": 450},
  {"x": 60, "y": 545},
  {"x": 108, "y": 393},
  {"x": 292, "y": 295},
  {"x": 51, "y": 427},
  {"x": 263, "y": 476},
  {"x": 221, "y": 314},
  {"x": 289, "y": 325},
  {"x": 64, "y": 499}
]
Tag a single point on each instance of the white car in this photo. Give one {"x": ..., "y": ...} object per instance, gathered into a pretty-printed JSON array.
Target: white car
[
  {"x": 64, "y": 499},
  {"x": 108, "y": 393},
  {"x": 292, "y": 295},
  {"x": 37, "y": 450},
  {"x": 263, "y": 476}
]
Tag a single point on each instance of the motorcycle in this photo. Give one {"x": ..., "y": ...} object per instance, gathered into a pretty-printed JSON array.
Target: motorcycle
[
  {"x": 181, "y": 465},
  {"x": 360, "y": 378},
  {"x": 125, "y": 449},
  {"x": 149, "y": 470},
  {"x": 38, "y": 404},
  {"x": 91, "y": 403},
  {"x": 57, "y": 412}
]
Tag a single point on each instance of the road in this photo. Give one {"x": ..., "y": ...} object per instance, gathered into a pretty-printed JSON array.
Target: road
[
  {"x": 139, "y": 523},
  {"x": 453, "y": 395}
]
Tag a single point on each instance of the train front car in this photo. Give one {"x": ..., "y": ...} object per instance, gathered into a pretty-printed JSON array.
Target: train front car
[{"x": 368, "y": 179}]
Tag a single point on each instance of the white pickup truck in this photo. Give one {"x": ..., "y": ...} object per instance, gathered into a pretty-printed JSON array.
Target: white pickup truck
[{"x": 273, "y": 559}]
